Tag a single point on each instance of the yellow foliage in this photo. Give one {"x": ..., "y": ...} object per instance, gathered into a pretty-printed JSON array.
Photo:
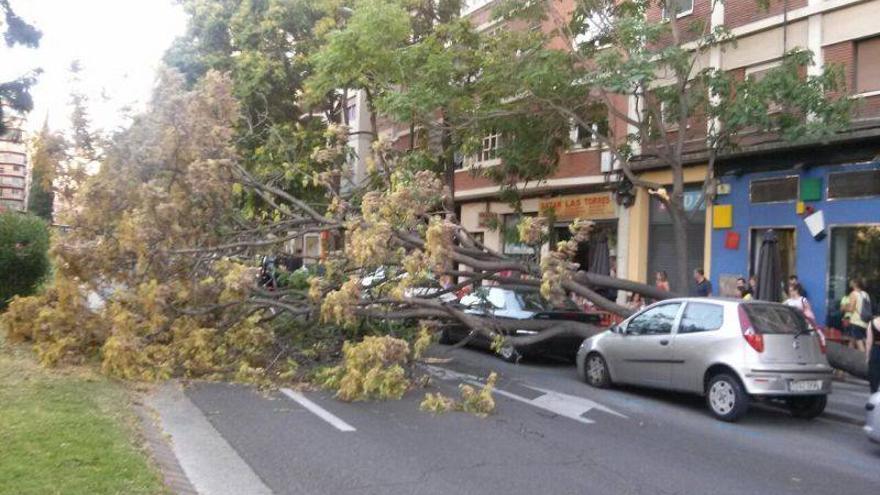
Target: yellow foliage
[
  {"x": 339, "y": 305},
  {"x": 424, "y": 340},
  {"x": 57, "y": 321},
  {"x": 371, "y": 369},
  {"x": 437, "y": 403},
  {"x": 479, "y": 402}
]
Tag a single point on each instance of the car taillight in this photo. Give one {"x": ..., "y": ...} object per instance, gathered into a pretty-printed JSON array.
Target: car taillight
[{"x": 755, "y": 339}]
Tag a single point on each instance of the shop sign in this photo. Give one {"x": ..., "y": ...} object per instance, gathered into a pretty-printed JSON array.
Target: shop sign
[
  {"x": 597, "y": 206},
  {"x": 487, "y": 220}
]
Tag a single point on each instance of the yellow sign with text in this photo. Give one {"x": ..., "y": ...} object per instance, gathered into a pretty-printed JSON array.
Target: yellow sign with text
[{"x": 597, "y": 206}]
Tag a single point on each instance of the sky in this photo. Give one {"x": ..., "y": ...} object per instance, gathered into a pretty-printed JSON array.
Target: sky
[{"x": 119, "y": 44}]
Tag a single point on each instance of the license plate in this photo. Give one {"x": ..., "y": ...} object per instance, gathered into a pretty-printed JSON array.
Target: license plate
[{"x": 805, "y": 386}]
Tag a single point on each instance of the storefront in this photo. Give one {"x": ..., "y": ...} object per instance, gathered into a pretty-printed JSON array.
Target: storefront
[
  {"x": 495, "y": 223},
  {"x": 646, "y": 240},
  {"x": 846, "y": 197}
]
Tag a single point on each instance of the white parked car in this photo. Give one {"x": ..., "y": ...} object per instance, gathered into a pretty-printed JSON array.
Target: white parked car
[{"x": 729, "y": 350}]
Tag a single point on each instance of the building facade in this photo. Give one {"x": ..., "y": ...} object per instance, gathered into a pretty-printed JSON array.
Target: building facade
[
  {"x": 13, "y": 168},
  {"x": 788, "y": 188}
]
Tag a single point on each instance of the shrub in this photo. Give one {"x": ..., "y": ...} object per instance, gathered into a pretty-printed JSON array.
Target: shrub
[{"x": 24, "y": 262}]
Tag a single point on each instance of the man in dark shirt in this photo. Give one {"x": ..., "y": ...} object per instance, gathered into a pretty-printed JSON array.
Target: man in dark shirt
[{"x": 703, "y": 287}]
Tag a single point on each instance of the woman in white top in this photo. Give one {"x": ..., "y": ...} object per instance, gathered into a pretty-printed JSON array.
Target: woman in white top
[{"x": 797, "y": 300}]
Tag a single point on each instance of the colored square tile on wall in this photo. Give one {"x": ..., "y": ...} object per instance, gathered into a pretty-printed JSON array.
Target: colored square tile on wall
[
  {"x": 722, "y": 216},
  {"x": 811, "y": 189}
]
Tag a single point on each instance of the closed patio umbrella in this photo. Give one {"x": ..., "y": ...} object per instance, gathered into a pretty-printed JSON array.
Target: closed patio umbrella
[{"x": 769, "y": 270}]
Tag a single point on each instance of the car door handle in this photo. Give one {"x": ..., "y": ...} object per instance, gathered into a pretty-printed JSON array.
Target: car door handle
[{"x": 664, "y": 342}]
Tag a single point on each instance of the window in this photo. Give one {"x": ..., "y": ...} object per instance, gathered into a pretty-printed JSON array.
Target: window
[
  {"x": 655, "y": 321},
  {"x": 680, "y": 7},
  {"x": 12, "y": 181},
  {"x": 868, "y": 65},
  {"x": 775, "y": 190},
  {"x": 701, "y": 317},
  {"x": 311, "y": 249},
  {"x": 585, "y": 137},
  {"x": 757, "y": 73},
  {"x": 351, "y": 114},
  {"x": 489, "y": 149},
  {"x": 512, "y": 244},
  {"x": 13, "y": 158},
  {"x": 854, "y": 252},
  {"x": 858, "y": 184},
  {"x": 469, "y": 6},
  {"x": 775, "y": 319}
]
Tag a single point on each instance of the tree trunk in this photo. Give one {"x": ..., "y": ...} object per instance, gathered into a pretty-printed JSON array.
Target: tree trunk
[
  {"x": 849, "y": 360},
  {"x": 448, "y": 155},
  {"x": 681, "y": 277}
]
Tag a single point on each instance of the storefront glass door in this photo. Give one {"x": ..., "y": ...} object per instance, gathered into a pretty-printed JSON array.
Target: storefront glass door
[{"x": 855, "y": 253}]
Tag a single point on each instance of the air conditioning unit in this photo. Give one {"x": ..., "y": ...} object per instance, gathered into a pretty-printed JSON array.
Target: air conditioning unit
[{"x": 608, "y": 163}]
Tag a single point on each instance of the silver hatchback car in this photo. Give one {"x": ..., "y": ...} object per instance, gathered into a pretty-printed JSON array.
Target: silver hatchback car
[{"x": 729, "y": 350}]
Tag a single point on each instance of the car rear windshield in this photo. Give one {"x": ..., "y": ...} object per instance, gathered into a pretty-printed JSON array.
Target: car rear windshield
[
  {"x": 775, "y": 318},
  {"x": 533, "y": 301}
]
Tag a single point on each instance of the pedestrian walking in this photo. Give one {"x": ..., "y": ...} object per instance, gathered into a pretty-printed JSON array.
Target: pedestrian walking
[
  {"x": 703, "y": 287},
  {"x": 661, "y": 280},
  {"x": 859, "y": 312},
  {"x": 796, "y": 299},
  {"x": 872, "y": 353}
]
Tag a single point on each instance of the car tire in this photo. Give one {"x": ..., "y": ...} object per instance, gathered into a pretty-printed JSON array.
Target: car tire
[
  {"x": 596, "y": 371},
  {"x": 509, "y": 353},
  {"x": 807, "y": 407},
  {"x": 726, "y": 398}
]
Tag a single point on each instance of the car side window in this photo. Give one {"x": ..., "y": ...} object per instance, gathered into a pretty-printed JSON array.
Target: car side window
[
  {"x": 655, "y": 321},
  {"x": 701, "y": 317}
]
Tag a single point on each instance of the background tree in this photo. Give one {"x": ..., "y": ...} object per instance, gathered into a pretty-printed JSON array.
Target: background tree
[
  {"x": 16, "y": 31},
  {"x": 646, "y": 74},
  {"x": 24, "y": 263},
  {"x": 48, "y": 153}
]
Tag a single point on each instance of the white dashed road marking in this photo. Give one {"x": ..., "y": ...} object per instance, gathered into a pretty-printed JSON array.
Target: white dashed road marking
[
  {"x": 317, "y": 410},
  {"x": 569, "y": 406}
]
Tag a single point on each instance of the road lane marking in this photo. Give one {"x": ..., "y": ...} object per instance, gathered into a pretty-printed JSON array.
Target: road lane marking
[
  {"x": 317, "y": 410},
  {"x": 569, "y": 406}
]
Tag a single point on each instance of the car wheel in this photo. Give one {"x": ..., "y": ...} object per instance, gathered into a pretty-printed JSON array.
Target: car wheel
[
  {"x": 596, "y": 371},
  {"x": 509, "y": 353},
  {"x": 726, "y": 398},
  {"x": 807, "y": 407}
]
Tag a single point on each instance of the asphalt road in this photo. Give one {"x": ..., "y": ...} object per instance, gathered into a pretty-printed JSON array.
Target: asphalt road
[{"x": 550, "y": 434}]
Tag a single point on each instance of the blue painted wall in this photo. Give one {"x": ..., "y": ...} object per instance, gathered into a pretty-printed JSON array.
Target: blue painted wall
[{"x": 811, "y": 256}]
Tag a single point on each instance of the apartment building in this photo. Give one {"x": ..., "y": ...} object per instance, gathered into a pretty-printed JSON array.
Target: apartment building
[
  {"x": 833, "y": 186},
  {"x": 13, "y": 167},
  {"x": 765, "y": 184}
]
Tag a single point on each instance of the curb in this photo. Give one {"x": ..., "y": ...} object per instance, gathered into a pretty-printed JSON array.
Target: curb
[
  {"x": 843, "y": 418},
  {"x": 160, "y": 451}
]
